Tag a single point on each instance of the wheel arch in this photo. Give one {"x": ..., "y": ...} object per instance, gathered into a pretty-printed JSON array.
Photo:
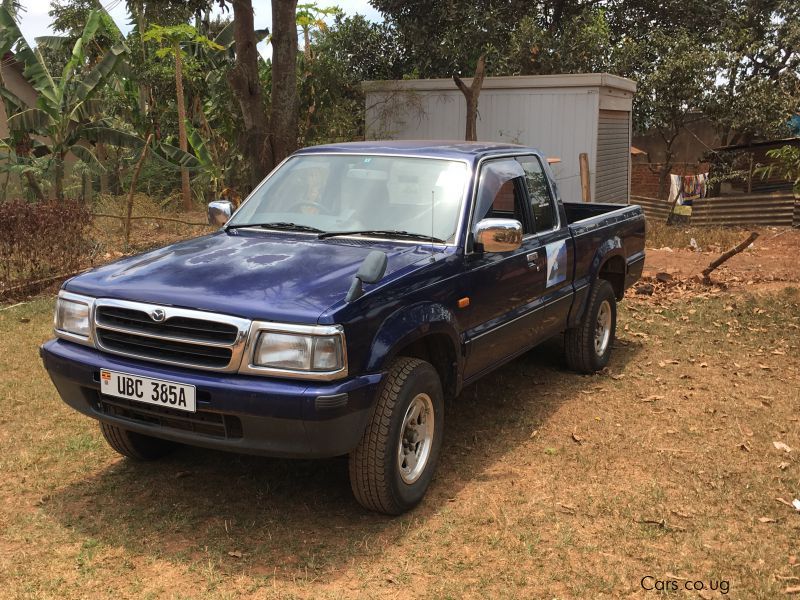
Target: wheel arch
[{"x": 427, "y": 331}]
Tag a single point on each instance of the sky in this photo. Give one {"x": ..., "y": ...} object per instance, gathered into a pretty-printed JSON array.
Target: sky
[{"x": 35, "y": 22}]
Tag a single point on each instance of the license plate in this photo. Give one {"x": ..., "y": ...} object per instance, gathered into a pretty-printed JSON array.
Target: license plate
[{"x": 168, "y": 394}]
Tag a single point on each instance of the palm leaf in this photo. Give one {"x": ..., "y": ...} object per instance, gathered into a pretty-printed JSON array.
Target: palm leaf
[
  {"x": 35, "y": 71},
  {"x": 78, "y": 53},
  {"x": 33, "y": 120},
  {"x": 87, "y": 156},
  {"x": 14, "y": 100},
  {"x": 175, "y": 158},
  {"x": 86, "y": 111},
  {"x": 57, "y": 43},
  {"x": 199, "y": 146},
  {"x": 89, "y": 84},
  {"x": 113, "y": 137}
]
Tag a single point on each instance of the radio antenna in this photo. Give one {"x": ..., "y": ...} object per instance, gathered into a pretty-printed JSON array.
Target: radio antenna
[{"x": 433, "y": 204}]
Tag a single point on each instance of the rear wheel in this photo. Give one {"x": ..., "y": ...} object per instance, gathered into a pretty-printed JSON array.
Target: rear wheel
[
  {"x": 135, "y": 445},
  {"x": 588, "y": 346},
  {"x": 393, "y": 465}
]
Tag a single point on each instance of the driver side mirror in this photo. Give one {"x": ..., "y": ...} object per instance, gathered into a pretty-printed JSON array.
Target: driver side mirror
[
  {"x": 498, "y": 235},
  {"x": 219, "y": 211}
]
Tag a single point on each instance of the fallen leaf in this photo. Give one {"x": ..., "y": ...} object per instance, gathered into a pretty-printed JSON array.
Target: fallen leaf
[
  {"x": 783, "y": 466},
  {"x": 765, "y": 367},
  {"x": 577, "y": 438},
  {"x": 744, "y": 446},
  {"x": 781, "y": 446},
  {"x": 767, "y": 520},
  {"x": 792, "y": 590},
  {"x": 703, "y": 365},
  {"x": 782, "y": 501},
  {"x": 235, "y": 554}
]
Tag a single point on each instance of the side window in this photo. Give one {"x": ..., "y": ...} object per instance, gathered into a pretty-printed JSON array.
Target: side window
[
  {"x": 543, "y": 206},
  {"x": 500, "y": 193}
]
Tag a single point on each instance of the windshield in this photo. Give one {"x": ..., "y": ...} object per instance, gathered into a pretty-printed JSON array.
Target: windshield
[{"x": 341, "y": 193}]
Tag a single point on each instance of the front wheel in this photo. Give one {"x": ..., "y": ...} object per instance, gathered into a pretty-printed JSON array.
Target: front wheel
[
  {"x": 588, "y": 346},
  {"x": 135, "y": 445},
  {"x": 392, "y": 467}
]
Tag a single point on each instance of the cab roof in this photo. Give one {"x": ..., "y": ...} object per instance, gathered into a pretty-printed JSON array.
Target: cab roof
[{"x": 421, "y": 148}]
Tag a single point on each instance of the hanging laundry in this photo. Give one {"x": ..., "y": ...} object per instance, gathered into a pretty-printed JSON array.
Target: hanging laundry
[{"x": 686, "y": 189}]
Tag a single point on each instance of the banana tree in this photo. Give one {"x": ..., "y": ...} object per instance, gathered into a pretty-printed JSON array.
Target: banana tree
[{"x": 66, "y": 107}]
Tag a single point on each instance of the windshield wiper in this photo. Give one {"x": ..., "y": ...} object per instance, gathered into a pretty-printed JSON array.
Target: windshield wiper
[
  {"x": 279, "y": 225},
  {"x": 387, "y": 233}
]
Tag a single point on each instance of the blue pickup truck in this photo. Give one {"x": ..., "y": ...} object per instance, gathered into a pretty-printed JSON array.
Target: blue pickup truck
[{"x": 333, "y": 312}]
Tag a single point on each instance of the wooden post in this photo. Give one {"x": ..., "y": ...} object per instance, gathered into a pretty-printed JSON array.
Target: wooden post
[{"x": 586, "y": 193}]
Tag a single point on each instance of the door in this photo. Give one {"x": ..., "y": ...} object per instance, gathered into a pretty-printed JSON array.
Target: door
[
  {"x": 612, "y": 162},
  {"x": 503, "y": 288},
  {"x": 557, "y": 247}
]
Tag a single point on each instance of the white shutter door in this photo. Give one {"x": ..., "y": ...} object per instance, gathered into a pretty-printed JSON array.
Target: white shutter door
[{"x": 613, "y": 157}]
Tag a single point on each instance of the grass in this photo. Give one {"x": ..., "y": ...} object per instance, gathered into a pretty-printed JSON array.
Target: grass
[
  {"x": 679, "y": 236},
  {"x": 674, "y": 470}
]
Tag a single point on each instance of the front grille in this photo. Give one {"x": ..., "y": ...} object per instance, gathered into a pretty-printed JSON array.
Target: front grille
[
  {"x": 181, "y": 337},
  {"x": 176, "y": 327},
  {"x": 201, "y": 422}
]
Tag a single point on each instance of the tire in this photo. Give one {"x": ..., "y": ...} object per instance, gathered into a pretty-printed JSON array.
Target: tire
[
  {"x": 381, "y": 481},
  {"x": 135, "y": 445},
  {"x": 588, "y": 346}
]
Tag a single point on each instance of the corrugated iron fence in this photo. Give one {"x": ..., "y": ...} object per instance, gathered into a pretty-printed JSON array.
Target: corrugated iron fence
[{"x": 774, "y": 209}]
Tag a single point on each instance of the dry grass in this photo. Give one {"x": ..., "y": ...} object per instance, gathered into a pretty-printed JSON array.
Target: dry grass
[
  {"x": 671, "y": 475},
  {"x": 660, "y": 235}
]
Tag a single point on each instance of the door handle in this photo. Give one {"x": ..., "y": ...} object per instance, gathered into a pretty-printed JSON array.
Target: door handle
[{"x": 534, "y": 261}]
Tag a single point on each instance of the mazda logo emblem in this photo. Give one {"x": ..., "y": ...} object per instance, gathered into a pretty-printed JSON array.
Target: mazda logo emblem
[{"x": 158, "y": 315}]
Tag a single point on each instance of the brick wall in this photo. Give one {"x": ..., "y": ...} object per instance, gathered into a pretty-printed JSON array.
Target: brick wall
[{"x": 645, "y": 176}]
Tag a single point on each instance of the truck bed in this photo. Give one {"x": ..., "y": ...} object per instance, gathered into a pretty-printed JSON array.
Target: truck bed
[{"x": 610, "y": 226}]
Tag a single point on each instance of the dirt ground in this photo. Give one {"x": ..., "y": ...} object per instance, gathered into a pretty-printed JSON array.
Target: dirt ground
[
  {"x": 772, "y": 262},
  {"x": 670, "y": 473}
]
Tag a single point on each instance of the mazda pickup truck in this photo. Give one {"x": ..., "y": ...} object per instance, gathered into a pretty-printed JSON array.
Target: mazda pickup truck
[{"x": 356, "y": 289}]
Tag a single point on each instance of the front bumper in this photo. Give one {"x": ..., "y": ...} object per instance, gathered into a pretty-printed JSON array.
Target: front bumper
[{"x": 238, "y": 413}]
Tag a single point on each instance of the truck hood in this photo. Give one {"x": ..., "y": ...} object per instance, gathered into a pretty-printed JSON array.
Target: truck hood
[{"x": 269, "y": 276}]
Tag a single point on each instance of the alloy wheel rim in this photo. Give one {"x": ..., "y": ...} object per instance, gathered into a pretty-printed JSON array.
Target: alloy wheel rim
[
  {"x": 602, "y": 328},
  {"x": 416, "y": 438}
]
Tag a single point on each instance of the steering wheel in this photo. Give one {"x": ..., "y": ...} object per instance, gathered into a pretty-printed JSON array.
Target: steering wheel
[{"x": 299, "y": 205}]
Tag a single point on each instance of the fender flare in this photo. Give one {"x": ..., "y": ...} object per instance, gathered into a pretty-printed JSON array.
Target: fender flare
[
  {"x": 409, "y": 324},
  {"x": 609, "y": 249}
]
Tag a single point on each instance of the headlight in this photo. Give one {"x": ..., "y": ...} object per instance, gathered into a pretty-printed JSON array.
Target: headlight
[
  {"x": 73, "y": 317},
  {"x": 305, "y": 351},
  {"x": 298, "y": 352}
]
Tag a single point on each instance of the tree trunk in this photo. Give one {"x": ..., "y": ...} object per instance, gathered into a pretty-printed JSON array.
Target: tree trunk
[
  {"x": 23, "y": 150},
  {"x": 283, "y": 110},
  {"x": 59, "y": 176},
  {"x": 246, "y": 86},
  {"x": 471, "y": 94},
  {"x": 182, "y": 142},
  {"x": 102, "y": 156}
]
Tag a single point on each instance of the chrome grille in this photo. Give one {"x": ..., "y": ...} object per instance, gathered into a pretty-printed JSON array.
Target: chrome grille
[{"x": 169, "y": 335}]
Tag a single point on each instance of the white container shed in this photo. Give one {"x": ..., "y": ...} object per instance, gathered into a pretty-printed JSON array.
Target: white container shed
[{"x": 561, "y": 115}]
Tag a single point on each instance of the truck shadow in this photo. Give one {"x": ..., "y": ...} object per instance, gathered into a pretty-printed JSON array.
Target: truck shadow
[{"x": 294, "y": 518}]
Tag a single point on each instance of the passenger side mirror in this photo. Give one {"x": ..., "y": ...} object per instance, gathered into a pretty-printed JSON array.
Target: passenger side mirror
[
  {"x": 498, "y": 235},
  {"x": 219, "y": 211}
]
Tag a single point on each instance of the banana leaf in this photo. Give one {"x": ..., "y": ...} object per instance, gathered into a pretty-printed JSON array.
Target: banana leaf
[
  {"x": 32, "y": 120},
  {"x": 175, "y": 158},
  {"x": 12, "y": 40},
  {"x": 87, "y": 156}
]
